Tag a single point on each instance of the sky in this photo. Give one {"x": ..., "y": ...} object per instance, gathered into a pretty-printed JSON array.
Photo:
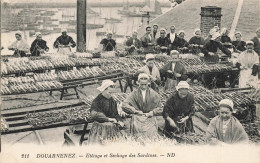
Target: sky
[{"x": 70, "y": 1}]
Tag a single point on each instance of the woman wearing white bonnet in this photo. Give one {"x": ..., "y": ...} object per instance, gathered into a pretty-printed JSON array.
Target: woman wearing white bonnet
[
  {"x": 105, "y": 115},
  {"x": 211, "y": 47},
  {"x": 225, "y": 128},
  {"x": 210, "y": 55},
  {"x": 133, "y": 44},
  {"x": 163, "y": 42},
  {"x": 152, "y": 71},
  {"x": 180, "y": 42},
  {"x": 39, "y": 46},
  {"x": 239, "y": 44},
  {"x": 225, "y": 39},
  {"x": 174, "y": 71},
  {"x": 248, "y": 63},
  {"x": 178, "y": 110},
  {"x": 197, "y": 41},
  {"x": 20, "y": 46}
]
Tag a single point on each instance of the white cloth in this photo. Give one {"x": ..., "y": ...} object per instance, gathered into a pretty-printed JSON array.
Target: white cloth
[
  {"x": 64, "y": 50},
  {"x": 20, "y": 45},
  {"x": 150, "y": 37},
  {"x": 225, "y": 124},
  {"x": 182, "y": 84},
  {"x": 173, "y": 66},
  {"x": 143, "y": 94},
  {"x": 149, "y": 56},
  {"x": 247, "y": 60},
  {"x": 227, "y": 102},
  {"x": 172, "y": 37},
  {"x": 105, "y": 84},
  {"x": 143, "y": 75}
]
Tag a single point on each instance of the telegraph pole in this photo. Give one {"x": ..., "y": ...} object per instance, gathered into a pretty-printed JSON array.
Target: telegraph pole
[{"x": 81, "y": 25}]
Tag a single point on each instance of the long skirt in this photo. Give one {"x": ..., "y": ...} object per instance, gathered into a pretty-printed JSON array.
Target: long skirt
[
  {"x": 64, "y": 50},
  {"x": 141, "y": 126},
  {"x": 101, "y": 132}
]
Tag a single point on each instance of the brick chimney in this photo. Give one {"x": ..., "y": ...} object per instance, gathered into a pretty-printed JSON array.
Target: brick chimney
[{"x": 210, "y": 17}]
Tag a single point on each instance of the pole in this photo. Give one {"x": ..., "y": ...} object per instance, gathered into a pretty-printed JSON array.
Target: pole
[{"x": 81, "y": 25}]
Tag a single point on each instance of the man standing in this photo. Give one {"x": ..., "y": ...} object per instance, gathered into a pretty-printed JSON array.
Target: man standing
[
  {"x": 20, "y": 46},
  {"x": 155, "y": 29},
  {"x": 163, "y": 43},
  {"x": 39, "y": 45},
  {"x": 108, "y": 43},
  {"x": 148, "y": 41},
  {"x": 64, "y": 42},
  {"x": 172, "y": 35},
  {"x": 143, "y": 104},
  {"x": 133, "y": 43}
]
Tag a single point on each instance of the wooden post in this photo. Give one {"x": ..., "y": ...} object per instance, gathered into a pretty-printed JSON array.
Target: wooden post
[{"x": 81, "y": 25}]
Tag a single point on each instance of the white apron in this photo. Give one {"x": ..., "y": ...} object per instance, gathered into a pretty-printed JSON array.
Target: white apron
[
  {"x": 64, "y": 50},
  {"x": 246, "y": 79}
]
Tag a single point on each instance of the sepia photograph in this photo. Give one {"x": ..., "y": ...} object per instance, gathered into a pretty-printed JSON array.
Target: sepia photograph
[{"x": 130, "y": 81}]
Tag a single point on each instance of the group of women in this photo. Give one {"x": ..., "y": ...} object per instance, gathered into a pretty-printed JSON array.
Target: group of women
[
  {"x": 136, "y": 116},
  {"x": 39, "y": 46},
  {"x": 217, "y": 46}
]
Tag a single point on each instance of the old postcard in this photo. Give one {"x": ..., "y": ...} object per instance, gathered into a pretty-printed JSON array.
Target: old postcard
[{"x": 130, "y": 81}]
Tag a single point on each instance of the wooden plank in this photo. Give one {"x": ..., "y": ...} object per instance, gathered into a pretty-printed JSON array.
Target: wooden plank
[
  {"x": 91, "y": 78},
  {"x": 14, "y": 118},
  {"x": 18, "y": 123},
  {"x": 31, "y": 128}
]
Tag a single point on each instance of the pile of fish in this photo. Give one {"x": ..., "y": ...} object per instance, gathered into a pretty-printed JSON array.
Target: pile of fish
[
  {"x": 253, "y": 131},
  {"x": 121, "y": 52},
  {"x": 62, "y": 62},
  {"x": 204, "y": 68},
  {"x": 130, "y": 66},
  {"x": 82, "y": 55},
  {"x": 29, "y": 84},
  {"x": 71, "y": 116},
  {"x": 88, "y": 101},
  {"x": 30, "y": 87},
  {"x": 25, "y": 66},
  {"x": 30, "y": 65},
  {"x": 190, "y": 138},
  {"x": 80, "y": 74},
  {"x": 190, "y": 61}
]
